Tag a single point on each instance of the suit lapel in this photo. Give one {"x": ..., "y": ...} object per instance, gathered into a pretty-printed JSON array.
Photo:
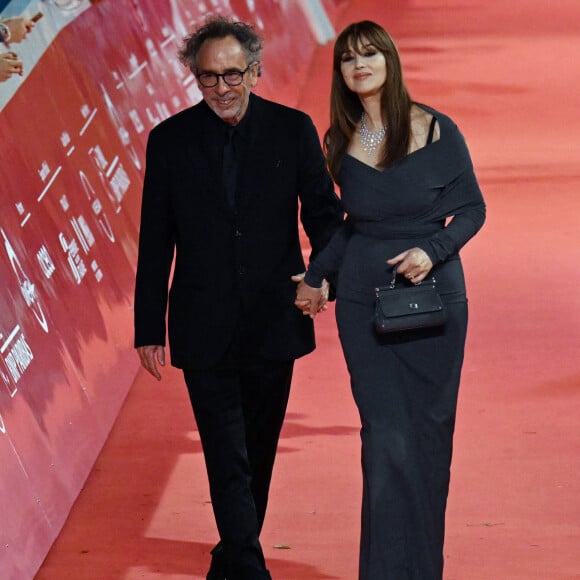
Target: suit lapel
[{"x": 257, "y": 172}]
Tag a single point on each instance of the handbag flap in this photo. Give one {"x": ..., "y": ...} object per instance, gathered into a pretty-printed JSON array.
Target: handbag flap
[{"x": 395, "y": 301}]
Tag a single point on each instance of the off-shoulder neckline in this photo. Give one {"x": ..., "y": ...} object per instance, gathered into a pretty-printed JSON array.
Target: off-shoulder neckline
[{"x": 425, "y": 147}]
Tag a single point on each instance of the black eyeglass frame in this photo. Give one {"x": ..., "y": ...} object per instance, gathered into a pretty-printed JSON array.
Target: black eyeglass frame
[{"x": 238, "y": 76}]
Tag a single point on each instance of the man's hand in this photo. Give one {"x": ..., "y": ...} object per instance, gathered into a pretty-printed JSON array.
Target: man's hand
[
  {"x": 308, "y": 299},
  {"x": 150, "y": 356}
]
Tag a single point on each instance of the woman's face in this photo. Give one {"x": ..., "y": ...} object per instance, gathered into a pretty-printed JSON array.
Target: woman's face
[{"x": 364, "y": 69}]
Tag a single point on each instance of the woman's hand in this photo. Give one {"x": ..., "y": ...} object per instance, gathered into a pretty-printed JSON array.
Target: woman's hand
[
  {"x": 308, "y": 299},
  {"x": 414, "y": 264}
]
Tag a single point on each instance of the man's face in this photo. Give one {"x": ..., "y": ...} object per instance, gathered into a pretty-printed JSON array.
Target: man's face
[{"x": 219, "y": 56}]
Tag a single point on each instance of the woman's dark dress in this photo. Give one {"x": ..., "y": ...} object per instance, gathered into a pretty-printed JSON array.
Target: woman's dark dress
[{"x": 405, "y": 385}]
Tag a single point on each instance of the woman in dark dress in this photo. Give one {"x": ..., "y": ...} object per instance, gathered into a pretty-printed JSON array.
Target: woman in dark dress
[{"x": 412, "y": 201}]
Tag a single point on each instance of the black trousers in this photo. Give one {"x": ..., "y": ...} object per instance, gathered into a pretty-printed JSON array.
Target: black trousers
[{"x": 239, "y": 407}]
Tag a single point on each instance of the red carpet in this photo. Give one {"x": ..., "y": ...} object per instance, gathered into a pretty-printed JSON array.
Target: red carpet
[{"x": 507, "y": 73}]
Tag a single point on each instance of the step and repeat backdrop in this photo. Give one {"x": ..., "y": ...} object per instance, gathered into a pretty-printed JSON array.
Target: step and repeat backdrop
[{"x": 97, "y": 76}]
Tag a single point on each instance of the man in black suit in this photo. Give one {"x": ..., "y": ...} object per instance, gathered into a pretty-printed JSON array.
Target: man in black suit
[{"x": 224, "y": 184}]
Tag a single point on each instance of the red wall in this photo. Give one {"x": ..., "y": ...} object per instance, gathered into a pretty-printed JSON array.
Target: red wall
[{"x": 72, "y": 142}]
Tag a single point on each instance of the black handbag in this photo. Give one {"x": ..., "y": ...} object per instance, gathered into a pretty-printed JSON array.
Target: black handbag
[{"x": 408, "y": 306}]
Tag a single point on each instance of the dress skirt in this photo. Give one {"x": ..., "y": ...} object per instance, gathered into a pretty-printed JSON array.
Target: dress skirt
[{"x": 405, "y": 386}]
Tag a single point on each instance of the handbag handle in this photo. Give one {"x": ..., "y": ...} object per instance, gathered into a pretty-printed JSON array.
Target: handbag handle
[{"x": 392, "y": 284}]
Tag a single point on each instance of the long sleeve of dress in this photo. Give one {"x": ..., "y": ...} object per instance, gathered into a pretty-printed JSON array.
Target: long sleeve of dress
[
  {"x": 463, "y": 203},
  {"x": 328, "y": 261}
]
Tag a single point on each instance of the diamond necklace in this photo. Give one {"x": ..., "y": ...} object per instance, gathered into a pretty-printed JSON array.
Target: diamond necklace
[{"x": 370, "y": 140}]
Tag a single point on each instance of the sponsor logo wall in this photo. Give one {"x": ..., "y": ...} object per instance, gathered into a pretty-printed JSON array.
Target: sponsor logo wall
[{"x": 98, "y": 76}]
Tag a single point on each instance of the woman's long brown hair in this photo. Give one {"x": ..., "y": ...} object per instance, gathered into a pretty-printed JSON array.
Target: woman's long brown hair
[{"x": 346, "y": 108}]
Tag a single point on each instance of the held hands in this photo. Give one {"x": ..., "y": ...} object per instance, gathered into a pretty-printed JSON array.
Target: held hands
[
  {"x": 308, "y": 299},
  {"x": 414, "y": 264},
  {"x": 150, "y": 356}
]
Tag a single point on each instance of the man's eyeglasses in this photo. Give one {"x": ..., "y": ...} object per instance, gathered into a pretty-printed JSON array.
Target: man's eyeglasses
[{"x": 232, "y": 78}]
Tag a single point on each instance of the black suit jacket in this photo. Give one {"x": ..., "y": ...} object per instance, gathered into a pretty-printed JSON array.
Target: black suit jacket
[{"x": 230, "y": 261}]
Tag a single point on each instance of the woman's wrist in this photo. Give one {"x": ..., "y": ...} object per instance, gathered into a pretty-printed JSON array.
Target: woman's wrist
[{"x": 313, "y": 280}]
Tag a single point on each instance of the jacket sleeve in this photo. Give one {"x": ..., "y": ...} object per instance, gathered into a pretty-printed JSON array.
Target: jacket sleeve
[
  {"x": 156, "y": 248},
  {"x": 320, "y": 208}
]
